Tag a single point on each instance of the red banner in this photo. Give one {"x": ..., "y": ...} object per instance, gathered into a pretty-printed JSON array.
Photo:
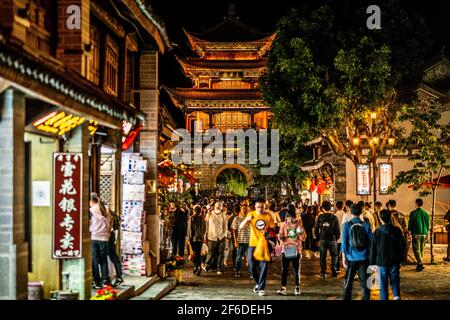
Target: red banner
[{"x": 67, "y": 205}]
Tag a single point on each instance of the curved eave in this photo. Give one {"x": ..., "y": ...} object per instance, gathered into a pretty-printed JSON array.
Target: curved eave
[
  {"x": 200, "y": 46},
  {"x": 192, "y": 69},
  {"x": 184, "y": 97},
  {"x": 153, "y": 24},
  {"x": 314, "y": 165}
]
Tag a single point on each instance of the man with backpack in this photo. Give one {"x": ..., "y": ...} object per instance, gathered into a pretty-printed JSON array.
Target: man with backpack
[
  {"x": 328, "y": 231},
  {"x": 387, "y": 248},
  {"x": 356, "y": 238}
]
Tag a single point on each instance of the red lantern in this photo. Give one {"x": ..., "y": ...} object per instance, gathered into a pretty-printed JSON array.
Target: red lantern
[{"x": 321, "y": 186}]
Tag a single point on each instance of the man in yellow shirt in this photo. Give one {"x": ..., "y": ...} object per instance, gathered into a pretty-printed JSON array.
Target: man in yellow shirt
[{"x": 258, "y": 251}]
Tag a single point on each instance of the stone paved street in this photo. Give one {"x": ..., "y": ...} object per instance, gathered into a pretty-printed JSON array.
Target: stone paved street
[{"x": 431, "y": 284}]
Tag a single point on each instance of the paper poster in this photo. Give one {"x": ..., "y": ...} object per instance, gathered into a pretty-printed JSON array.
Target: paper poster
[{"x": 41, "y": 193}]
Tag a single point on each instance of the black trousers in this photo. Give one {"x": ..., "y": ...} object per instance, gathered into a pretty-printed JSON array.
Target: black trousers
[
  {"x": 99, "y": 258},
  {"x": 295, "y": 267},
  {"x": 178, "y": 243},
  {"x": 197, "y": 248},
  {"x": 216, "y": 252},
  {"x": 354, "y": 267},
  {"x": 112, "y": 254},
  {"x": 326, "y": 246}
]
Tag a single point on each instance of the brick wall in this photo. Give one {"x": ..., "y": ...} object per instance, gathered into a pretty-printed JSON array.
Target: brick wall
[{"x": 71, "y": 43}]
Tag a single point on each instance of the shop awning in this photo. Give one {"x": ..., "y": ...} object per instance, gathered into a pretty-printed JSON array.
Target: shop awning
[{"x": 444, "y": 182}]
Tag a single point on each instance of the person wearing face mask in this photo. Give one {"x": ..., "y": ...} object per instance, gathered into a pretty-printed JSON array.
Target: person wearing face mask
[
  {"x": 291, "y": 237},
  {"x": 216, "y": 233}
]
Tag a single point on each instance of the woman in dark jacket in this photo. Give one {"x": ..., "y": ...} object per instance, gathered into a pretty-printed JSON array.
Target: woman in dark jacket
[
  {"x": 197, "y": 237},
  {"x": 308, "y": 220}
]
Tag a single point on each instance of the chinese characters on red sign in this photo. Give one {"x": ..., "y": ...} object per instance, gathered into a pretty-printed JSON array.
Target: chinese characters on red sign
[{"x": 67, "y": 205}]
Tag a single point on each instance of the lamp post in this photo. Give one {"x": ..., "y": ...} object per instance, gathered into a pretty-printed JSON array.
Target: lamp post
[{"x": 373, "y": 141}]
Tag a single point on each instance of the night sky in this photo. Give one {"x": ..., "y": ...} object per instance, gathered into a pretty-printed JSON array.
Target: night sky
[{"x": 200, "y": 15}]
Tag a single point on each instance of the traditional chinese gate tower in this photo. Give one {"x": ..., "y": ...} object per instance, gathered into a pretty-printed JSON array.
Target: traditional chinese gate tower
[{"x": 225, "y": 76}]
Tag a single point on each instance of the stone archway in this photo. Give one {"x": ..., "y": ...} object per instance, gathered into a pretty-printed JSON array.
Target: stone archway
[{"x": 238, "y": 167}]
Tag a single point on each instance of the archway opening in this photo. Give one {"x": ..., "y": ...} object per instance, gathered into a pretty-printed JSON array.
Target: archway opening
[{"x": 231, "y": 181}]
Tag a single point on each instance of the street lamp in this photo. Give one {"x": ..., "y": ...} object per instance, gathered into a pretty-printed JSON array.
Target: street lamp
[
  {"x": 373, "y": 115},
  {"x": 356, "y": 141},
  {"x": 391, "y": 141}
]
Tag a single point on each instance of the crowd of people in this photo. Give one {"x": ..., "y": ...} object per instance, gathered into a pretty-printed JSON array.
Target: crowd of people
[{"x": 357, "y": 237}]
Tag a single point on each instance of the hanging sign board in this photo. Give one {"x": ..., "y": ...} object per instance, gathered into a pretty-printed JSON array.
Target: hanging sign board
[
  {"x": 67, "y": 205},
  {"x": 362, "y": 179},
  {"x": 386, "y": 176}
]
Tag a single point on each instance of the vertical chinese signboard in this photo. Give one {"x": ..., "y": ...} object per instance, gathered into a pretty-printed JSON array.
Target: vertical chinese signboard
[
  {"x": 67, "y": 205},
  {"x": 386, "y": 175},
  {"x": 362, "y": 179}
]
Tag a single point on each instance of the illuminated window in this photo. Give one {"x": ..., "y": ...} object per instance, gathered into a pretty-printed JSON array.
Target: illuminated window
[
  {"x": 232, "y": 84},
  {"x": 231, "y": 120},
  {"x": 111, "y": 84}
]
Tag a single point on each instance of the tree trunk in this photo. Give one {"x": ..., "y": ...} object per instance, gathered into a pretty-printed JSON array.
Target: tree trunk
[
  {"x": 433, "y": 207},
  {"x": 294, "y": 187}
]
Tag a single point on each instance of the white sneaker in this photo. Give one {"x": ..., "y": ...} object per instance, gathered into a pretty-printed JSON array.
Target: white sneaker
[
  {"x": 297, "y": 291},
  {"x": 255, "y": 289},
  {"x": 396, "y": 298},
  {"x": 261, "y": 293},
  {"x": 219, "y": 272},
  {"x": 282, "y": 291}
]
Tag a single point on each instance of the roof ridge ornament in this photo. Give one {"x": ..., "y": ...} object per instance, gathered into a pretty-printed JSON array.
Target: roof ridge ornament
[{"x": 232, "y": 9}]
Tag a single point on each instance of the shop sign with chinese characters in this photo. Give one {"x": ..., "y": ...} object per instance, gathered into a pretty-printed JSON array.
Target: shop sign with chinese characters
[
  {"x": 362, "y": 179},
  {"x": 67, "y": 205}
]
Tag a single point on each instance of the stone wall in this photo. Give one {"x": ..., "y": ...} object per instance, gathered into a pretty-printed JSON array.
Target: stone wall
[{"x": 13, "y": 248}]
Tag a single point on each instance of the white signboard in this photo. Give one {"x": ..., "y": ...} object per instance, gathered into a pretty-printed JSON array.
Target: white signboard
[
  {"x": 362, "y": 179},
  {"x": 41, "y": 193},
  {"x": 385, "y": 177}
]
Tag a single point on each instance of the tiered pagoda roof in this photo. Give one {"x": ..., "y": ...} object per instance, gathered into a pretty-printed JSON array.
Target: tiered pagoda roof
[
  {"x": 232, "y": 35},
  {"x": 195, "y": 67},
  {"x": 226, "y": 72},
  {"x": 227, "y": 99}
]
